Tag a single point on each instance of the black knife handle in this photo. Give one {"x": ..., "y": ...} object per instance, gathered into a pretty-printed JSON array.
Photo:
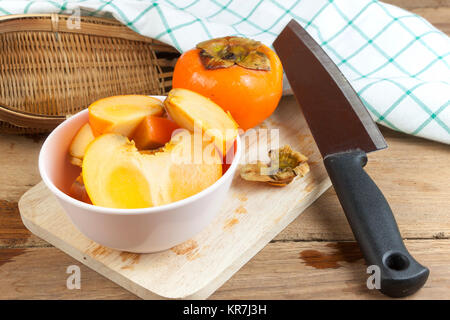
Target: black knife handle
[{"x": 374, "y": 225}]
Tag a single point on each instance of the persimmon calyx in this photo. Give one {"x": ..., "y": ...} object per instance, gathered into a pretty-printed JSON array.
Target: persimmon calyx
[
  {"x": 285, "y": 164},
  {"x": 228, "y": 51}
]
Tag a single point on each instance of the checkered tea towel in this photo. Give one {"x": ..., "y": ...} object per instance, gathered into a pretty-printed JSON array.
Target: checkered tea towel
[{"x": 396, "y": 61}]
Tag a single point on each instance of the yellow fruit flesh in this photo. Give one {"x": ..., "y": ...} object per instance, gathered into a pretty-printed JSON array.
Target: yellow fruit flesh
[{"x": 128, "y": 188}]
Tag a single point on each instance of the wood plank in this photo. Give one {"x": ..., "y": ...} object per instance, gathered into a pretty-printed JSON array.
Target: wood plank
[
  {"x": 435, "y": 11},
  {"x": 334, "y": 270},
  {"x": 40, "y": 273},
  {"x": 414, "y": 4},
  {"x": 13, "y": 233},
  {"x": 19, "y": 163},
  {"x": 439, "y": 17}
]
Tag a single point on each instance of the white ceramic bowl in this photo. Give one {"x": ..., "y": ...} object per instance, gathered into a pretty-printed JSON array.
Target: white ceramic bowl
[{"x": 134, "y": 230}]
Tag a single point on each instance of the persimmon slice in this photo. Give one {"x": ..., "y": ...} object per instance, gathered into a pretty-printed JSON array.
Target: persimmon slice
[
  {"x": 190, "y": 110},
  {"x": 122, "y": 114},
  {"x": 79, "y": 144}
]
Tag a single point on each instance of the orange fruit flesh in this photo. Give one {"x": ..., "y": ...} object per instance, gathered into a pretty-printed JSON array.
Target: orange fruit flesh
[{"x": 153, "y": 132}]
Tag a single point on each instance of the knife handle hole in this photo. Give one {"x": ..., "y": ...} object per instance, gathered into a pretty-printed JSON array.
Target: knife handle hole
[{"x": 397, "y": 261}]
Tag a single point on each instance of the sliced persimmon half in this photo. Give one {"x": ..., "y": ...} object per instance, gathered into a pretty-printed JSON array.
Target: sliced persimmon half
[{"x": 117, "y": 175}]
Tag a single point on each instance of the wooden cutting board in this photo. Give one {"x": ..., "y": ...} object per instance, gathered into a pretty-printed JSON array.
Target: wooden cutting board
[{"x": 251, "y": 216}]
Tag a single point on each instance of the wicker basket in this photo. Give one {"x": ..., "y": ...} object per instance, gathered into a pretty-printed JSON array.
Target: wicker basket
[{"x": 49, "y": 70}]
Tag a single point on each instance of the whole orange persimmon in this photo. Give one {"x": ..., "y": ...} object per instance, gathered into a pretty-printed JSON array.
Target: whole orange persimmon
[{"x": 241, "y": 75}]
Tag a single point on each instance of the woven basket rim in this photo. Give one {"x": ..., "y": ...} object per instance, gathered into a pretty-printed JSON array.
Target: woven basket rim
[
  {"x": 56, "y": 23},
  {"x": 52, "y": 23}
]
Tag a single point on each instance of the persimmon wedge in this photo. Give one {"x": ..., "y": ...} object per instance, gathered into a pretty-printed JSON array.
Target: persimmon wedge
[
  {"x": 153, "y": 132},
  {"x": 191, "y": 110},
  {"x": 122, "y": 114},
  {"x": 117, "y": 175},
  {"x": 79, "y": 144}
]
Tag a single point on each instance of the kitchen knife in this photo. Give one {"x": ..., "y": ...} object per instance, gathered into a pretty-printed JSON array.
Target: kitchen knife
[{"x": 344, "y": 133}]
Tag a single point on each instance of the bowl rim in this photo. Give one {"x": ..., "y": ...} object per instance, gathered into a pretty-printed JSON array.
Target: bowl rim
[{"x": 138, "y": 211}]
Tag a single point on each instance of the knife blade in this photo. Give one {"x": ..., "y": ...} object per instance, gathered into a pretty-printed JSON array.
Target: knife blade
[
  {"x": 325, "y": 94},
  {"x": 344, "y": 132}
]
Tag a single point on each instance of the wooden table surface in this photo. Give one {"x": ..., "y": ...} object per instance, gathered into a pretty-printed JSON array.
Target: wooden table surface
[{"x": 315, "y": 257}]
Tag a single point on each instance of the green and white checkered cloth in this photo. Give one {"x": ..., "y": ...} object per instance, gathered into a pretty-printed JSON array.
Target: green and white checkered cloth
[{"x": 396, "y": 61}]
